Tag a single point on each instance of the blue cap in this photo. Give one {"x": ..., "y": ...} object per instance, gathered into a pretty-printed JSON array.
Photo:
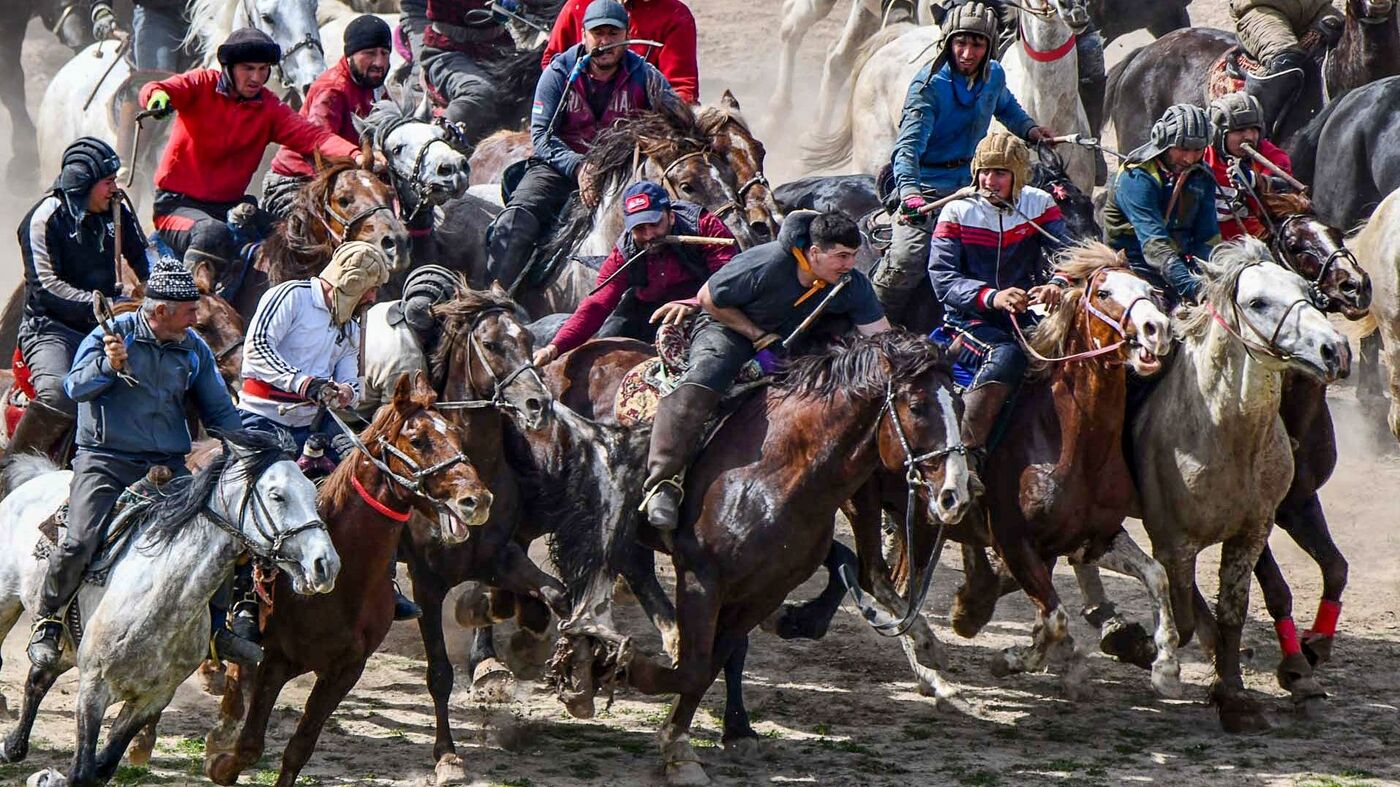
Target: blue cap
[
  {"x": 605, "y": 12},
  {"x": 643, "y": 202}
]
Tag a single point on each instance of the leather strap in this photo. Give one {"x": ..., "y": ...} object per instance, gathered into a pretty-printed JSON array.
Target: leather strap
[{"x": 397, "y": 516}]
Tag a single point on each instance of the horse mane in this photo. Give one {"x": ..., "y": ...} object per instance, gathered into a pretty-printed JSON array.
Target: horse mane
[
  {"x": 1280, "y": 204},
  {"x": 1221, "y": 272},
  {"x": 292, "y": 251},
  {"x": 1078, "y": 263},
  {"x": 383, "y": 116},
  {"x": 862, "y": 367},
  {"x": 204, "y": 16},
  {"x": 181, "y": 499},
  {"x": 455, "y": 318}
]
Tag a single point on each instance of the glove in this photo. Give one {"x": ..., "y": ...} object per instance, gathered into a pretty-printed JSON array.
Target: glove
[
  {"x": 505, "y": 5},
  {"x": 159, "y": 104},
  {"x": 104, "y": 23},
  {"x": 342, "y": 445},
  {"x": 316, "y": 388},
  {"x": 909, "y": 207},
  {"x": 770, "y": 362}
]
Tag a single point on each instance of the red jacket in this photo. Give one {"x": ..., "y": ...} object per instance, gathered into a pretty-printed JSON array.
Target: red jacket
[
  {"x": 667, "y": 280},
  {"x": 333, "y": 102},
  {"x": 1227, "y": 193},
  {"x": 218, "y": 142},
  {"x": 667, "y": 21}
]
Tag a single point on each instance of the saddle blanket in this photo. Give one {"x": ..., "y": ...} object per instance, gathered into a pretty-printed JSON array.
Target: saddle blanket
[{"x": 643, "y": 386}]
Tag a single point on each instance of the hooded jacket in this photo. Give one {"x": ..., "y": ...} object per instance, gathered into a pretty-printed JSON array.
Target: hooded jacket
[{"x": 667, "y": 21}]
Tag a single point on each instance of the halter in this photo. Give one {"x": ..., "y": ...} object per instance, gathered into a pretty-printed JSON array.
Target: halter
[
  {"x": 728, "y": 207},
  {"x": 348, "y": 225},
  {"x": 277, "y": 538},
  {"x": 1319, "y": 298},
  {"x": 412, "y": 483},
  {"x": 417, "y": 186},
  {"x": 1271, "y": 349},
  {"x": 1119, "y": 326},
  {"x": 499, "y": 384},
  {"x": 1045, "y": 55}
]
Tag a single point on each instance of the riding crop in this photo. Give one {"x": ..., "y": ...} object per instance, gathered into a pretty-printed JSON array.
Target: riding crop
[{"x": 102, "y": 310}]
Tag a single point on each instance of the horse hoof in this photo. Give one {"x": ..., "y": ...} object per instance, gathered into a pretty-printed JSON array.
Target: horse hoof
[
  {"x": 450, "y": 770},
  {"x": 473, "y": 609},
  {"x": 579, "y": 706},
  {"x": 970, "y": 615},
  {"x": 1166, "y": 680},
  {"x": 686, "y": 774},
  {"x": 139, "y": 753},
  {"x": 791, "y": 623},
  {"x": 222, "y": 768},
  {"x": 527, "y": 653},
  {"x": 492, "y": 683},
  {"x": 1242, "y": 716},
  {"x": 48, "y": 777},
  {"x": 1005, "y": 663},
  {"x": 1317, "y": 649},
  {"x": 743, "y": 749},
  {"x": 1129, "y": 643}
]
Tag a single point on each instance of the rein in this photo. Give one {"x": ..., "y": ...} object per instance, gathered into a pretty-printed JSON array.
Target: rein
[
  {"x": 1119, "y": 327},
  {"x": 1270, "y": 349},
  {"x": 277, "y": 538},
  {"x": 709, "y": 157},
  {"x": 499, "y": 383},
  {"x": 411, "y": 483}
]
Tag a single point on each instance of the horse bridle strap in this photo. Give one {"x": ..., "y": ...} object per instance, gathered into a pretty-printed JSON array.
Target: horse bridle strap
[
  {"x": 1270, "y": 349},
  {"x": 720, "y": 212},
  {"x": 348, "y": 225},
  {"x": 412, "y": 483},
  {"x": 277, "y": 539},
  {"x": 372, "y": 502},
  {"x": 499, "y": 384},
  {"x": 1320, "y": 299},
  {"x": 1119, "y": 326}
]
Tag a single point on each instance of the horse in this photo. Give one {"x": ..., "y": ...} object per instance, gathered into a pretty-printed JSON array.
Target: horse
[
  {"x": 93, "y": 96},
  {"x": 69, "y": 22},
  {"x": 146, "y": 629},
  {"x": 1345, "y": 153},
  {"x": 1375, "y": 247},
  {"x": 760, "y": 508},
  {"x": 414, "y": 462},
  {"x": 1175, "y": 69},
  {"x": 745, "y": 154}
]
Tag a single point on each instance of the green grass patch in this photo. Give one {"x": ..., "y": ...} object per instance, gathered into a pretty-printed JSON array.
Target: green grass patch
[{"x": 130, "y": 775}]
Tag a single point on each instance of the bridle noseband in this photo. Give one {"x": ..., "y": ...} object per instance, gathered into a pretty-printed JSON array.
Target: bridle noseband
[
  {"x": 1320, "y": 299},
  {"x": 414, "y": 482},
  {"x": 1119, "y": 326},
  {"x": 731, "y": 206},
  {"x": 1271, "y": 349},
  {"x": 347, "y": 226},
  {"x": 268, "y": 558}
]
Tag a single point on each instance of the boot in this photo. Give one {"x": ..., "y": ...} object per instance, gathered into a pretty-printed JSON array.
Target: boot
[
  {"x": 1278, "y": 89},
  {"x": 981, "y": 406},
  {"x": 235, "y": 633},
  {"x": 404, "y": 608},
  {"x": 1091, "y": 92},
  {"x": 43, "y": 429},
  {"x": 47, "y": 643},
  {"x": 511, "y": 244},
  {"x": 680, "y": 420}
]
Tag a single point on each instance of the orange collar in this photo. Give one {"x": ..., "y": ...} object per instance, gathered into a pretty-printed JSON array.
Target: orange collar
[{"x": 806, "y": 267}]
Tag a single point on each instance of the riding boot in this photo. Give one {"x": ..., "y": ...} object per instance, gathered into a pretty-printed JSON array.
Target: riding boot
[
  {"x": 981, "y": 407},
  {"x": 234, "y": 638},
  {"x": 42, "y": 429},
  {"x": 510, "y": 245},
  {"x": 1091, "y": 92},
  {"x": 404, "y": 608},
  {"x": 1278, "y": 89},
  {"x": 675, "y": 435},
  {"x": 46, "y": 645}
]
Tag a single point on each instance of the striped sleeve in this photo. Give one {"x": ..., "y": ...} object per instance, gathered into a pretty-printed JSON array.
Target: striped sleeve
[{"x": 275, "y": 318}]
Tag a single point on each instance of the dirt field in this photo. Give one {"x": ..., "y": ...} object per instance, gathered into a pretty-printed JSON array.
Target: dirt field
[{"x": 844, "y": 711}]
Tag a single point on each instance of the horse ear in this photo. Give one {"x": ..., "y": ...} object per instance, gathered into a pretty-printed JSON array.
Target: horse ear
[
  {"x": 367, "y": 152},
  {"x": 729, "y": 102},
  {"x": 360, "y": 124},
  {"x": 423, "y": 392},
  {"x": 424, "y": 112},
  {"x": 138, "y": 292},
  {"x": 403, "y": 393},
  {"x": 203, "y": 274}
]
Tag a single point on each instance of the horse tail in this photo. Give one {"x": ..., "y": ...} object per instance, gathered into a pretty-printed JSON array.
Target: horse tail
[
  {"x": 19, "y": 470},
  {"x": 831, "y": 148}
]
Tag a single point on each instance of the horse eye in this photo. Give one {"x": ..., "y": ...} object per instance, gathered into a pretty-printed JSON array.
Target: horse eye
[
  {"x": 344, "y": 202},
  {"x": 1105, "y": 294},
  {"x": 687, "y": 188},
  {"x": 267, "y": 19},
  {"x": 1256, "y": 303}
]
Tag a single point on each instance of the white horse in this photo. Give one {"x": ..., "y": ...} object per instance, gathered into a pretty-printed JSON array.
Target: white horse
[
  {"x": 1377, "y": 249},
  {"x": 425, "y": 167},
  {"x": 147, "y": 628},
  {"x": 1212, "y": 454},
  {"x": 87, "y": 94},
  {"x": 1042, "y": 72}
]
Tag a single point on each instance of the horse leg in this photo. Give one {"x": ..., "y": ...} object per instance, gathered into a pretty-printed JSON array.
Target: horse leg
[
  {"x": 1391, "y": 352},
  {"x": 232, "y": 707},
  {"x": 131, "y": 721},
  {"x": 975, "y": 601},
  {"x": 24, "y": 149},
  {"x": 331, "y": 687},
  {"x": 265, "y": 686},
  {"x": 1126, "y": 557},
  {"x": 739, "y": 738},
  {"x": 492, "y": 681},
  {"x": 1307, "y": 524},
  {"x": 1180, "y": 564},
  {"x": 810, "y": 619},
  {"x": 639, "y": 569},
  {"x": 143, "y": 744},
  {"x": 16, "y": 745},
  {"x": 920, "y": 645},
  {"x": 93, "y": 698},
  {"x": 836, "y": 71},
  {"x": 798, "y": 17},
  {"x": 1370, "y": 388},
  {"x": 1125, "y": 641},
  {"x": 1050, "y": 635},
  {"x": 530, "y": 645},
  {"x": 1167, "y": 20},
  {"x": 1295, "y": 674},
  {"x": 1238, "y": 711},
  {"x": 9, "y": 614},
  {"x": 519, "y": 574},
  {"x": 429, "y": 594}
]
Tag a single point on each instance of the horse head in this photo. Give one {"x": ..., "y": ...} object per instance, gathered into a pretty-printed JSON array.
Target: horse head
[
  {"x": 1075, "y": 13},
  {"x": 356, "y": 204},
  {"x": 1270, "y": 309},
  {"x": 68, "y": 21},
  {"x": 292, "y": 24},
  {"x": 426, "y": 165},
  {"x": 484, "y": 357},
  {"x": 1316, "y": 252},
  {"x": 426, "y": 455},
  {"x": 1048, "y": 174},
  {"x": 730, "y": 132},
  {"x": 1108, "y": 306}
]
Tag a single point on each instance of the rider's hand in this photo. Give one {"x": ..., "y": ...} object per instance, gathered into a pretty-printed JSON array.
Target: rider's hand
[
  {"x": 768, "y": 360},
  {"x": 104, "y": 23},
  {"x": 910, "y": 205},
  {"x": 1011, "y": 299},
  {"x": 344, "y": 394},
  {"x": 159, "y": 104},
  {"x": 316, "y": 389},
  {"x": 545, "y": 355},
  {"x": 587, "y": 189},
  {"x": 115, "y": 349},
  {"x": 673, "y": 313},
  {"x": 1047, "y": 294},
  {"x": 1039, "y": 134}
]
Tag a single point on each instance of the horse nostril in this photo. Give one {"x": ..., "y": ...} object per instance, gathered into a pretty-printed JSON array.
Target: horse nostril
[
  {"x": 948, "y": 499},
  {"x": 467, "y": 503},
  {"x": 447, "y": 170},
  {"x": 534, "y": 405},
  {"x": 319, "y": 568}
]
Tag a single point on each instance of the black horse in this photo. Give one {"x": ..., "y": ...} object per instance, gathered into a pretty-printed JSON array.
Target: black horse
[{"x": 1349, "y": 153}]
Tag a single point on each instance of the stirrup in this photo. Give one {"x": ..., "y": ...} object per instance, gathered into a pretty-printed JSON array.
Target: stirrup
[
  {"x": 51, "y": 619},
  {"x": 674, "y": 481}
]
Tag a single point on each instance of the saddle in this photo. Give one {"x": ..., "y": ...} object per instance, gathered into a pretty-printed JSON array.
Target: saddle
[
  {"x": 644, "y": 385},
  {"x": 133, "y": 502},
  {"x": 1228, "y": 72}
]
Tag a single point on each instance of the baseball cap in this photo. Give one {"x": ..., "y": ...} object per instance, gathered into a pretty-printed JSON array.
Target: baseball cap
[
  {"x": 644, "y": 202},
  {"x": 605, "y": 12}
]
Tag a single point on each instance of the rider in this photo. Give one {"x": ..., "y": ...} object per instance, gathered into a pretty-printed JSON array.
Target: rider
[
  {"x": 226, "y": 121},
  {"x": 949, "y": 106},
  {"x": 1273, "y": 32},
  {"x": 465, "y": 48},
  {"x": 346, "y": 91},
  {"x": 1236, "y": 119},
  {"x": 750, "y": 305},
  {"x": 988, "y": 262},
  {"x": 126, "y": 426},
  {"x": 1161, "y": 205},
  {"x": 158, "y": 31},
  {"x": 67, "y": 241},
  {"x": 661, "y": 279},
  {"x": 570, "y": 110},
  {"x": 667, "y": 21}
]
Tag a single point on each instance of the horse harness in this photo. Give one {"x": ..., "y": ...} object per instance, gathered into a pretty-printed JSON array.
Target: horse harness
[
  {"x": 1119, "y": 326},
  {"x": 730, "y": 206},
  {"x": 453, "y": 138},
  {"x": 413, "y": 483},
  {"x": 1271, "y": 349},
  {"x": 347, "y": 225},
  {"x": 499, "y": 383},
  {"x": 267, "y": 558}
]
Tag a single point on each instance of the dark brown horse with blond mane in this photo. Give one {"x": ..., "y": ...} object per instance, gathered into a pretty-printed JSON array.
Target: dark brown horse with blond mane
[{"x": 413, "y": 462}]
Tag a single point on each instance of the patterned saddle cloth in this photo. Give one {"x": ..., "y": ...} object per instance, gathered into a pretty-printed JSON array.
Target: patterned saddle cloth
[
  {"x": 133, "y": 502},
  {"x": 642, "y": 387},
  {"x": 1227, "y": 73}
]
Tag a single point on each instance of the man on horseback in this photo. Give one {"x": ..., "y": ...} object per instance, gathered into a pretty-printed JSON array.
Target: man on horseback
[
  {"x": 157, "y": 31},
  {"x": 346, "y": 91},
  {"x": 465, "y": 47},
  {"x": 989, "y": 261},
  {"x": 948, "y": 109},
  {"x": 1281, "y": 35},
  {"x": 226, "y": 120},
  {"x": 131, "y": 386},
  {"x": 660, "y": 280},
  {"x": 582, "y": 92},
  {"x": 1237, "y": 119},
  {"x": 1161, "y": 205},
  {"x": 750, "y": 305},
  {"x": 67, "y": 242},
  {"x": 400, "y": 335},
  {"x": 667, "y": 21}
]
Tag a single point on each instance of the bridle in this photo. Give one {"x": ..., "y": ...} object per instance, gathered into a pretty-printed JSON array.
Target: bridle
[
  {"x": 731, "y": 206},
  {"x": 1319, "y": 298},
  {"x": 308, "y": 41},
  {"x": 414, "y": 482},
  {"x": 347, "y": 225},
  {"x": 269, "y": 558},
  {"x": 1119, "y": 326},
  {"x": 1271, "y": 349},
  {"x": 416, "y": 185},
  {"x": 498, "y": 382}
]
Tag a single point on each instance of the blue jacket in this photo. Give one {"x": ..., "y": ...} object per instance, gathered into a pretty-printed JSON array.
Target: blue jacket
[
  {"x": 977, "y": 249},
  {"x": 942, "y": 123},
  {"x": 146, "y": 421},
  {"x": 563, "y": 146},
  {"x": 1136, "y": 223}
]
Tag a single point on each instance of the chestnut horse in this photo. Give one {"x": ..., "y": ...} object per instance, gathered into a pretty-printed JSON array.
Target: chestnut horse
[
  {"x": 759, "y": 513},
  {"x": 411, "y": 459}
]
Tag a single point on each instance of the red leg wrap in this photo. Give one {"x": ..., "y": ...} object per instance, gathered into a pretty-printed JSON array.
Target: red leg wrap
[
  {"x": 1325, "y": 624},
  {"x": 1287, "y": 636}
]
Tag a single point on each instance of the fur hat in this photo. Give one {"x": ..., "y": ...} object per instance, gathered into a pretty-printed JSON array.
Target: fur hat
[
  {"x": 355, "y": 268},
  {"x": 1004, "y": 150},
  {"x": 249, "y": 45}
]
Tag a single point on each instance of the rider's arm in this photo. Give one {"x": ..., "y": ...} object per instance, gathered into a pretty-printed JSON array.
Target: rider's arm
[
  {"x": 296, "y": 132},
  {"x": 952, "y": 286},
  {"x": 210, "y": 395},
  {"x": 548, "y": 93},
  {"x": 711, "y": 226},
  {"x": 328, "y": 109},
  {"x": 865, "y": 310},
  {"x": 90, "y": 374},
  {"x": 347, "y": 367},
  {"x": 274, "y": 318},
  {"x": 1011, "y": 115},
  {"x": 58, "y": 297},
  {"x": 182, "y": 88},
  {"x": 594, "y": 310},
  {"x": 731, "y": 318},
  {"x": 915, "y": 126},
  {"x": 677, "y": 60}
]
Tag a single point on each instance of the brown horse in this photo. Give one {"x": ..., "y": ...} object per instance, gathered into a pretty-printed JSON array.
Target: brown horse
[
  {"x": 759, "y": 513},
  {"x": 730, "y": 132},
  {"x": 414, "y": 462}
]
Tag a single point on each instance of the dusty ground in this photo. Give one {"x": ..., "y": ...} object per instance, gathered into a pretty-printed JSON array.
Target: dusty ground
[{"x": 844, "y": 711}]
